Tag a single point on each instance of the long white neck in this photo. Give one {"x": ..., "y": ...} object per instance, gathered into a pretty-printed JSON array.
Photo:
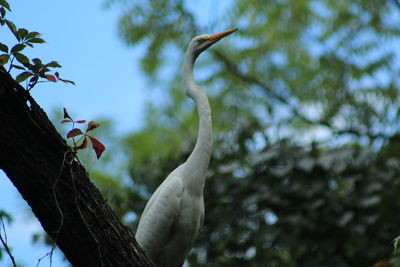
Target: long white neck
[{"x": 197, "y": 163}]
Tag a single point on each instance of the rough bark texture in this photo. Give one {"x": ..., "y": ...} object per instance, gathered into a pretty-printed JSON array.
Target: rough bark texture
[{"x": 58, "y": 189}]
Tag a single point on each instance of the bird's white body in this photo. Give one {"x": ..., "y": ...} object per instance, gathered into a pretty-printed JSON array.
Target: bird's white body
[
  {"x": 174, "y": 214},
  {"x": 171, "y": 221}
]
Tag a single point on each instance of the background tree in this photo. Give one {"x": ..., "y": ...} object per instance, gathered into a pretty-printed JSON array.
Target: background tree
[{"x": 305, "y": 101}]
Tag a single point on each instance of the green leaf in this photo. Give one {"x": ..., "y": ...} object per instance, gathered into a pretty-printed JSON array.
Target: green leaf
[
  {"x": 36, "y": 237},
  {"x": 53, "y": 64},
  {"x": 5, "y": 4},
  {"x": 22, "y": 33},
  {"x": 12, "y": 28},
  {"x": 32, "y": 35},
  {"x": 3, "y": 48},
  {"x": 37, "y": 61},
  {"x": 21, "y": 58},
  {"x": 37, "y": 40},
  {"x": 23, "y": 76},
  {"x": 17, "y": 48},
  {"x": 2, "y": 12},
  {"x": 44, "y": 70},
  {"x": 4, "y": 59},
  {"x": 37, "y": 69}
]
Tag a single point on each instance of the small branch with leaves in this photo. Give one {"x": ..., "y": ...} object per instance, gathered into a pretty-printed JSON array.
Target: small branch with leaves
[
  {"x": 83, "y": 142},
  {"x": 97, "y": 146},
  {"x": 34, "y": 69}
]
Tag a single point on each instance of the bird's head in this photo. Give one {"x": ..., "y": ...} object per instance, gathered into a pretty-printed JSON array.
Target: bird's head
[{"x": 202, "y": 42}]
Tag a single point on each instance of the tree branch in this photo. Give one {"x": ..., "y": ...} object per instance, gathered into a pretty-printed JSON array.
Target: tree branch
[
  {"x": 247, "y": 78},
  {"x": 69, "y": 207}
]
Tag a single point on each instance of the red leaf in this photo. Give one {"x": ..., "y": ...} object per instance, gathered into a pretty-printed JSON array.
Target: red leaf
[
  {"x": 66, "y": 116},
  {"x": 97, "y": 146},
  {"x": 67, "y": 81},
  {"x": 83, "y": 145},
  {"x": 81, "y": 121},
  {"x": 74, "y": 132},
  {"x": 92, "y": 125},
  {"x": 65, "y": 121},
  {"x": 57, "y": 75},
  {"x": 51, "y": 78}
]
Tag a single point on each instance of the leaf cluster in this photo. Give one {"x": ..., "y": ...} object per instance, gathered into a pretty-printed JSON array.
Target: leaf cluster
[
  {"x": 97, "y": 146},
  {"x": 286, "y": 205},
  {"x": 34, "y": 69}
]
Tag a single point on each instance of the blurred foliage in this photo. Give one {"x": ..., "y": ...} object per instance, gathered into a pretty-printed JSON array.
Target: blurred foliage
[
  {"x": 287, "y": 205},
  {"x": 322, "y": 62},
  {"x": 305, "y": 97}
]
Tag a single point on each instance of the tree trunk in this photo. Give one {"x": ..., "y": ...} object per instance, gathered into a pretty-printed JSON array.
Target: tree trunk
[{"x": 58, "y": 189}]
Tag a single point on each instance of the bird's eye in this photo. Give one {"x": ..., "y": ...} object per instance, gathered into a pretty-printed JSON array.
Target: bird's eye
[{"x": 202, "y": 40}]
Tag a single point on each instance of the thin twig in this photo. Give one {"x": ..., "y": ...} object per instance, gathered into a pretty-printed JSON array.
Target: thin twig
[
  {"x": 4, "y": 228},
  {"x": 43, "y": 257},
  {"x": 11, "y": 64},
  {"x": 4, "y": 242}
]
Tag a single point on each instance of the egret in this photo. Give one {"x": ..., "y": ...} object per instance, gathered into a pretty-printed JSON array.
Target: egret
[{"x": 172, "y": 217}]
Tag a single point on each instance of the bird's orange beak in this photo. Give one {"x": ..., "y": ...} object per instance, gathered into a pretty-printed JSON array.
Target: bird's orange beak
[{"x": 218, "y": 36}]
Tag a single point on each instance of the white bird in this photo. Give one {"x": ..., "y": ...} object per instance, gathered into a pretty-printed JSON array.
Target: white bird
[{"x": 172, "y": 218}]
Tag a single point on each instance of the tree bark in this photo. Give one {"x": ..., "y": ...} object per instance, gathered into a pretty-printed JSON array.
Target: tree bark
[{"x": 70, "y": 208}]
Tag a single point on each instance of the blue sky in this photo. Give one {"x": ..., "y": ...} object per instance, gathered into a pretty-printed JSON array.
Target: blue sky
[{"x": 83, "y": 38}]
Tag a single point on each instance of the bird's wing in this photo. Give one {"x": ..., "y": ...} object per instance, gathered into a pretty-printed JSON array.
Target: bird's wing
[
  {"x": 154, "y": 197},
  {"x": 155, "y": 225}
]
